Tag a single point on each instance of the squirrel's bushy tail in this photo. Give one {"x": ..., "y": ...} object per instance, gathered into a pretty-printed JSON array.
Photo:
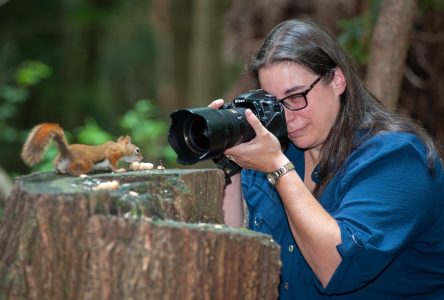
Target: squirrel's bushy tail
[{"x": 39, "y": 138}]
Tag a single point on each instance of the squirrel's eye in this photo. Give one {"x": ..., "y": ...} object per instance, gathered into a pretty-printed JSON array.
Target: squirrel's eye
[{"x": 137, "y": 150}]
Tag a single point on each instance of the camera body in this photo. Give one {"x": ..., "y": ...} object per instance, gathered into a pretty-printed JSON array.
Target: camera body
[{"x": 205, "y": 133}]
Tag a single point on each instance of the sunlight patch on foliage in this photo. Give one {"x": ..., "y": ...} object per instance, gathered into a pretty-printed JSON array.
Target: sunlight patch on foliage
[{"x": 32, "y": 72}]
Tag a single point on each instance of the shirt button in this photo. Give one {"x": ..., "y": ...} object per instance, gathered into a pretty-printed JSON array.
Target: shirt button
[
  {"x": 290, "y": 248},
  {"x": 286, "y": 285},
  {"x": 357, "y": 241},
  {"x": 257, "y": 221}
]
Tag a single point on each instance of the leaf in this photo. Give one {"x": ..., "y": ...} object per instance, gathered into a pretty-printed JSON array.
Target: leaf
[
  {"x": 92, "y": 134},
  {"x": 32, "y": 72}
]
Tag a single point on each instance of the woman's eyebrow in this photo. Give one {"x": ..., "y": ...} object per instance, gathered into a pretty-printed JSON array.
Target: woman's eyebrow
[
  {"x": 290, "y": 90},
  {"x": 294, "y": 88}
]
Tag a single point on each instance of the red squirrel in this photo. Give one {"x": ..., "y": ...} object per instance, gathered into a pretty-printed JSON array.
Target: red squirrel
[{"x": 77, "y": 159}]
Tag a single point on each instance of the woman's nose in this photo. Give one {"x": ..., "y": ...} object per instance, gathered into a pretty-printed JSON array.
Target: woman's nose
[{"x": 289, "y": 114}]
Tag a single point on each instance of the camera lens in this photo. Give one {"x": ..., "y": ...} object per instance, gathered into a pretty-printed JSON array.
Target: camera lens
[
  {"x": 196, "y": 135},
  {"x": 204, "y": 133}
]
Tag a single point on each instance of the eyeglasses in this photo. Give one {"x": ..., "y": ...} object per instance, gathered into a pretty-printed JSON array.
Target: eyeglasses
[{"x": 298, "y": 101}]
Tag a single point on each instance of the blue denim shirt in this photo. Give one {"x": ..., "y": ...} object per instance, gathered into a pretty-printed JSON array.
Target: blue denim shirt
[{"x": 390, "y": 211}]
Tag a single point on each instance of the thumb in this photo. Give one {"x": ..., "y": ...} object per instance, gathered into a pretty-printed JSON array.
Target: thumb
[{"x": 255, "y": 123}]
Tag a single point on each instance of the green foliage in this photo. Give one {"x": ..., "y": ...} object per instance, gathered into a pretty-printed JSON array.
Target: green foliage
[
  {"x": 357, "y": 33},
  {"x": 47, "y": 161},
  {"x": 148, "y": 131},
  {"x": 32, "y": 72},
  {"x": 92, "y": 134},
  {"x": 14, "y": 92},
  {"x": 10, "y": 98},
  {"x": 433, "y": 5}
]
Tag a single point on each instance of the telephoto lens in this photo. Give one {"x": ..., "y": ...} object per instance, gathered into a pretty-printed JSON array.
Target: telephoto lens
[{"x": 204, "y": 133}]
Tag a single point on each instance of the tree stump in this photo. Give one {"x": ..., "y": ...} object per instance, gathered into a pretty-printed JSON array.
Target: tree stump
[{"x": 158, "y": 236}]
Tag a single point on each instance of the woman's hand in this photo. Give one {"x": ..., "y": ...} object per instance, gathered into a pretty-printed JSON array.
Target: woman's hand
[
  {"x": 216, "y": 104},
  {"x": 262, "y": 153}
]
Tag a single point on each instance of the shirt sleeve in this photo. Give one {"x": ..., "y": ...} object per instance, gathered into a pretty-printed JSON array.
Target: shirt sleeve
[{"x": 384, "y": 194}]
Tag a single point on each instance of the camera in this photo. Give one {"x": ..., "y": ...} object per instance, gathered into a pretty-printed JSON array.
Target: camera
[{"x": 204, "y": 133}]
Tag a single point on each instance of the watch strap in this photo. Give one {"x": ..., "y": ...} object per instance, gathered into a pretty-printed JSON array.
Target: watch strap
[{"x": 275, "y": 175}]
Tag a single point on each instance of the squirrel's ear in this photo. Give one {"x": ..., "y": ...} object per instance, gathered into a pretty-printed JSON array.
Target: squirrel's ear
[{"x": 124, "y": 139}]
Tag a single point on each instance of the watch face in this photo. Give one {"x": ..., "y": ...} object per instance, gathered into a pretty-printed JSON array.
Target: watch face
[{"x": 271, "y": 179}]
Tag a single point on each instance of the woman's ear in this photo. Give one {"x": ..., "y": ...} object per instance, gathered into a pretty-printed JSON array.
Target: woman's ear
[{"x": 339, "y": 83}]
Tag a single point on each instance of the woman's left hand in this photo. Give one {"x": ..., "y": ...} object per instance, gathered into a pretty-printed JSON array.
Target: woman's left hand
[{"x": 262, "y": 153}]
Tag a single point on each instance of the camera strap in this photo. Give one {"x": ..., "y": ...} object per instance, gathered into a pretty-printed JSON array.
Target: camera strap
[{"x": 229, "y": 167}]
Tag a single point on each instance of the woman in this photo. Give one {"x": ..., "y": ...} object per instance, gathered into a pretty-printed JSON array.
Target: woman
[{"x": 356, "y": 200}]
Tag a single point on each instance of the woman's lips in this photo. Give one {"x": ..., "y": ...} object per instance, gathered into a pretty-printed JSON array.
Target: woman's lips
[{"x": 296, "y": 133}]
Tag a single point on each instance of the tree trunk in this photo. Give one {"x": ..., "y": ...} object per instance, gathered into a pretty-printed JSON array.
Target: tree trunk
[
  {"x": 389, "y": 49},
  {"x": 61, "y": 239},
  {"x": 205, "y": 42},
  {"x": 3, "y": 2},
  {"x": 165, "y": 62},
  {"x": 5, "y": 186}
]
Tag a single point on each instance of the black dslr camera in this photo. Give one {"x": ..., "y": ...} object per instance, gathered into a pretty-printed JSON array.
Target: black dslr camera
[{"x": 205, "y": 133}]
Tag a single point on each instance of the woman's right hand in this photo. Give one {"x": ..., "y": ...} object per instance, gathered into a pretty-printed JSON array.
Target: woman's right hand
[{"x": 216, "y": 104}]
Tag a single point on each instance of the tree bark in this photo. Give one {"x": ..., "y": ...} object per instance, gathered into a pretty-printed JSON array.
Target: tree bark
[
  {"x": 60, "y": 239},
  {"x": 389, "y": 49}
]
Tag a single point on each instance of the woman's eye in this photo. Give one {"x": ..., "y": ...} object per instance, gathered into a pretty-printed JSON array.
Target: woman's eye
[{"x": 295, "y": 99}]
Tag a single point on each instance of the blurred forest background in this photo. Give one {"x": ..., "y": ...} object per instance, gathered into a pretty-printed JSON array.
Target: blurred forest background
[{"x": 104, "y": 68}]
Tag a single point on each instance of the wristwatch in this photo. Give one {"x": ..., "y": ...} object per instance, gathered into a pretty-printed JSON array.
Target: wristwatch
[{"x": 275, "y": 175}]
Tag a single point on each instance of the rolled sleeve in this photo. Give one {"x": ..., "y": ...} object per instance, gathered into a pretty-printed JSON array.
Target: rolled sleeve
[{"x": 351, "y": 273}]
